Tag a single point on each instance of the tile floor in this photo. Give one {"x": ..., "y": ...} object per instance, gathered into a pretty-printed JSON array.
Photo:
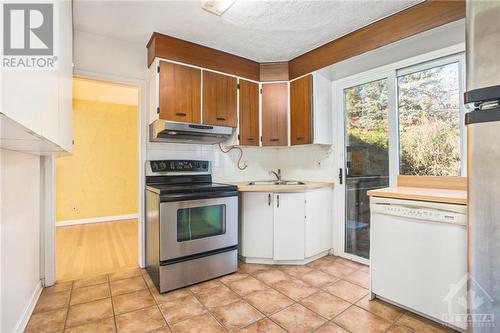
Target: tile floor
[{"x": 327, "y": 295}]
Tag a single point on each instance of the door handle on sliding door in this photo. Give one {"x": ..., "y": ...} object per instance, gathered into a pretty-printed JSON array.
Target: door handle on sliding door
[{"x": 278, "y": 200}]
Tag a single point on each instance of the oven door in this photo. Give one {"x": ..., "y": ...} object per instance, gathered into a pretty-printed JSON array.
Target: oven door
[{"x": 197, "y": 226}]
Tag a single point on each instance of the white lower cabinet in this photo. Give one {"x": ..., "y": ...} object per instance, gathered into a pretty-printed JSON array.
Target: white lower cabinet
[
  {"x": 256, "y": 238},
  {"x": 289, "y": 224},
  {"x": 285, "y": 226}
]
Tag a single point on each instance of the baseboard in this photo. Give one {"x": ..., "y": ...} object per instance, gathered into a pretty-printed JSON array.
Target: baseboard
[
  {"x": 23, "y": 321},
  {"x": 97, "y": 220}
]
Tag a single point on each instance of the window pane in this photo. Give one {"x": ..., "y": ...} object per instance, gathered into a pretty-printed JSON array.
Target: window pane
[
  {"x": 429, "y": 122},
  {"x": 200, "y": 222},
  {"x": 367, "y": 162}
]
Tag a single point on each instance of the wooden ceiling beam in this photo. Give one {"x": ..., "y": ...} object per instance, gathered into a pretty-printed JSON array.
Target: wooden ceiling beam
[{"x": 411, "y": 21}]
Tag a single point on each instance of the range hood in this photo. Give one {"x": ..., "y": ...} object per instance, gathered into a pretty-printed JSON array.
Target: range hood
[{"x": 171, "y": 131}]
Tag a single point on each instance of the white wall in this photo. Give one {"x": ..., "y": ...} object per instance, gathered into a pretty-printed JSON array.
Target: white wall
[{"x": 19, "y": 236}]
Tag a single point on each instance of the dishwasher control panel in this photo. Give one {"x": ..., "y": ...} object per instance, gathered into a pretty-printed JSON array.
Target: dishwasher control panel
[{"x": 419, "y": 213}]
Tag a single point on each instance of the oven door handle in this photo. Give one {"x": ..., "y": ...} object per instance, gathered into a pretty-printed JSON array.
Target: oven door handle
[{"x": 172, "y": 197}]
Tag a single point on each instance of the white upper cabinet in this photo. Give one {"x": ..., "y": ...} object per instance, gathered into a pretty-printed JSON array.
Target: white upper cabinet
[{"x": 37, "y": 103}]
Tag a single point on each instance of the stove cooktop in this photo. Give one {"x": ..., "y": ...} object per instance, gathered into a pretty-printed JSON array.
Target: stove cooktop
[{"x": 191, "y": 188}]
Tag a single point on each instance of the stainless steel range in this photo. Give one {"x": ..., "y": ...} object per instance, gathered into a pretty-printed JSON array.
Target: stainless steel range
[{"x": 191, "y": 224}]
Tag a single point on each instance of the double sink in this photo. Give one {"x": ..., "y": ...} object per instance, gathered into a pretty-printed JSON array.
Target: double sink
[{"x": 276, "y": 182}]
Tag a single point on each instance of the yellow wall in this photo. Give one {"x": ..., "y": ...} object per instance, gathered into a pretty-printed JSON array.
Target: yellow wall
[{"x": 101, "y": 177}]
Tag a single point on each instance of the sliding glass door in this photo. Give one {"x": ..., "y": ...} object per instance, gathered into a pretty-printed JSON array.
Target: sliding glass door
[
  {"x": 367, "y": 159},
  {"x": 401, "y": 119}
]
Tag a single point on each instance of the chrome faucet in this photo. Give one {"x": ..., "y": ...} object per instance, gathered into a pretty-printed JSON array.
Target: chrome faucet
[{"x": 277, "y": 174}]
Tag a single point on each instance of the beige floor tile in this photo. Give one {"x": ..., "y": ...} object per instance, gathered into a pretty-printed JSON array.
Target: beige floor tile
[
  {"x": 91, "y": 293},
  {"x": 347, "y": 291},
  {"x": 132, "y": 301},
  {"x": 140, "y": 321},
  {"x": 271, "y": 276},
  {"x": 262, "y": 326},
  {"x": 420, "y": 324},
  {"x": 169, "y": 296},
  {"x": 399, "y": 329},
  {"x": 181, "y": 309},
  {"x": 218, "y": 296},
  {"x": 296, "y": 270},
  {"x": 360, "y": 278},
  {"x": 124, "y": 286},
  {"x": 148, "y": 280},
  {"x": 204, "y": 323},
  {"x": 357, "y": 320},
  {"x": 380, "y": 308},
  {"x": 325, "y": 304},
  {"x": 236, "y": 315},
  {"x": 298, "y": 319},
  {"x": 317, "y": 278},
  {"x": 331, "y": 327},
  {"x": 349, "y": 263},
  {"x": 163, "y": 329},
  {"x": 83, "y": 313},
  {"x": 52, "y": 301},
  {"x": 247, "y": 285},
  {"x": 337, "y": 269},
  {"x": 205, "y": 285},
  {"x": 59, "y": 286},
  {"x": 90, "y": 281},
  {"x": 233, "y": 277},
  {"x": 320, "y": 262},
  {"x": 295, "y": 289},
  {"x": 49, "y": 321},
  {"x": 102, "y": 326},
  {"x": 252, "y": 268},
  {"x": 268, "y": 301},
  {"x": 125, "y": 274}
]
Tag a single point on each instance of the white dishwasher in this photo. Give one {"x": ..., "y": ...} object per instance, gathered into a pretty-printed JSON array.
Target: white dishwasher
[{"x": 418, "y": 256}]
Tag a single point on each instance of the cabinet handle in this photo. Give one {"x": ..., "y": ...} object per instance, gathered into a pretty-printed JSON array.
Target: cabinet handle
[
  {"x": 220, "y": 118},
  {"x": 300, "y": 138},
  {"x": 250, "y": 139},
  {"x": 269, "y": 199},
  {"x": 274, "y": 140},
  {"x": 180, "y": 114},
  {"x": 278, "y": 201}
]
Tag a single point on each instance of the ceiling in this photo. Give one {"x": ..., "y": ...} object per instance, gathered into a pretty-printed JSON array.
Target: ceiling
[{"x": 264, "y": 31}]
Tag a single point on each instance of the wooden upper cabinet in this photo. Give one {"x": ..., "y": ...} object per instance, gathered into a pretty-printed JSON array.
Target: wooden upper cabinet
[
  {"x": 219, "y": 99},
  {"x": 180, "y": 93},
  {"x": 301, "y": 110},
  {"x": 249, "y": 113},
  {"x": 274, "y": 114}
]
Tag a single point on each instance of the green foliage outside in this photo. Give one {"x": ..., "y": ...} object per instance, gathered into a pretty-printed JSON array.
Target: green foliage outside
[{"x": 428, "y": 103}]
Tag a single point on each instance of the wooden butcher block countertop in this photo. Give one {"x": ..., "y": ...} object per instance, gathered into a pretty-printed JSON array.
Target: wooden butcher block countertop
[
  {"x": 423, "y": 188},
  {"x": 244, "y": 187}
]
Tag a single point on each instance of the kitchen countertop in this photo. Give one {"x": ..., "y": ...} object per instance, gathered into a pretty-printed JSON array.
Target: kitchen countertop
[
  {"x": 244, "y": 187},
  {"x": 422, "y": 194}
]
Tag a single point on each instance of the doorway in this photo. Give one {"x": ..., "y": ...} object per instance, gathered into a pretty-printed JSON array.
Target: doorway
[
  {"x": 404, "y": 118},
  {"x": 97, "y": 187}
]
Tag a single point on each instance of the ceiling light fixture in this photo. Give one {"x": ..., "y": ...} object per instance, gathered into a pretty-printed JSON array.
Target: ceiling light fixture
[{"x": 217, "y": 7}]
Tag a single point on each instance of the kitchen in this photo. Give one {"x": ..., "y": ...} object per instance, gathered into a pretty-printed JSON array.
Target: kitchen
[{"x": 268, "y": 188}]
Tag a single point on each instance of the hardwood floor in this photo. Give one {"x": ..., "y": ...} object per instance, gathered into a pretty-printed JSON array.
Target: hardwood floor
[{"x": 93, "y": 249}]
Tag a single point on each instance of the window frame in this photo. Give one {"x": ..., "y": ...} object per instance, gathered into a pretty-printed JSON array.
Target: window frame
[
  {"x": 458, "y": 58},
  {"x": 389, "y": 72}
]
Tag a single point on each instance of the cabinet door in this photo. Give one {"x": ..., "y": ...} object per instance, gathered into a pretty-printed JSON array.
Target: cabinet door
[
  {"x": 289, "y": 211},
  {"x": 180, "y": 93},
  {"x": 301, "y": 108},
  {"x": 256, "y": 227},
  {"x": 219, "y": 99},
  {"x": 274, "y": 114},
  {"x": 249, "y": 113},
  {"x": 318, "y": 221}
]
